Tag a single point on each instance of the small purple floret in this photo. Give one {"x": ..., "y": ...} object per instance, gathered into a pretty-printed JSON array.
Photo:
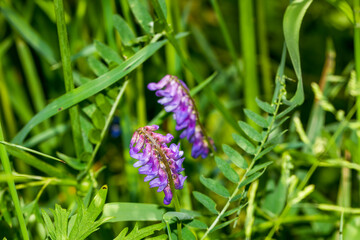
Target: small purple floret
[
  {"x": 176, "y": 99},
  {"x": 146, "y": 146}
]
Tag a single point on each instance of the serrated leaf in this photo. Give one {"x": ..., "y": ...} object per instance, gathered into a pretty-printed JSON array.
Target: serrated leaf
[
  {"x": 250, "y": 131},
  {"x": 60, "y": 222},
  {"x": 256, "y": 118},
  {"x": 234, "y": 156},
  {"x": 137, "y": 234},
  {"x": 215, "y": 186},
  {"x": 258, "y": 167},
  {"x": 85, "y": 221},
  {"x": 97, "y": 67},
  {"x": 48, "y": 224},
  {"x": 265, "y": 106},
  {"x": 206, "y": 201},
  {"x": 251, "y": 178},
  {"x": 244, "y": 144},
  {"x": 228, "y": 172},
  {"x": 107, "y": 53}
]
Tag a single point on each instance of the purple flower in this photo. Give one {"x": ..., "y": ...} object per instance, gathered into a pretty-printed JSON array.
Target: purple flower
[
  {"x": 176, "y": 98},
  {"x": 158, "y": 161}
]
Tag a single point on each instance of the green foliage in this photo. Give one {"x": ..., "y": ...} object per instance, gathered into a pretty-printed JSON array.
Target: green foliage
[
  {"x": 81, "y": 225},
  {"x": 65, "y": 125}
]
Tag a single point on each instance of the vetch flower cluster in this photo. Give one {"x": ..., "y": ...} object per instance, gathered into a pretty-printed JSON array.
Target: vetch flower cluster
[
  {"x": 176, "y": 98},
  {"x": 161, "y": 164}
]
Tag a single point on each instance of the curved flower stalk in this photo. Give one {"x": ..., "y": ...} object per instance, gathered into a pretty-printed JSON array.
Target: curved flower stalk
[
  {"x": 176, "y": 98},
  {"x": 161, "y": 164}
]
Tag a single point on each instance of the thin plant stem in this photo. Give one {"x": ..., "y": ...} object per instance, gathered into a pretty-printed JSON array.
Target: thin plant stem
[
  {"x": 310, "y": 173},
  {"x": 104, "y": 131},
  {"x": 210, "y": 94},
  {"x": 251, "y": 85},
  {"x": 357, "y": 65},
  {"x": 7, "y": 168},
  {"x": 264, "y": 49},
  {"x": 68, "y": 74},
  {"x": 227, "y": 37},
  {"x": 260, "y": 148}
]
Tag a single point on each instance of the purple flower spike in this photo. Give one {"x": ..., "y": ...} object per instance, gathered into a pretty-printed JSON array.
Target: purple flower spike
[
  {"x": 158, "y": 161},
  {"x": 176, "y": 99}
]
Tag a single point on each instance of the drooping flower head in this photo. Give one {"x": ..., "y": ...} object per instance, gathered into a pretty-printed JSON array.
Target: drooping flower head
[
  {"x": 158, "y": 161},
  {"x": 176, "y": 98}
]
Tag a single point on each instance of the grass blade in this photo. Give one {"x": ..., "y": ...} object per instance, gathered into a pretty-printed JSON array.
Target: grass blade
[{"x": 89, "y": 89}]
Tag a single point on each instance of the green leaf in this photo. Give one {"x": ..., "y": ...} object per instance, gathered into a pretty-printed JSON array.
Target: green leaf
[
  {"x": 206, "y": 201},
  {"x": 232, "y": 211},
  {"x": 48, "y": 224},
  {"x": 258, "y": 167},
  {"x": 250, "y": 131},
  {"x": 251, "y": 178},
  {"x": 235, "y": 157},
  {"x": 228, "y": 172},
  {"x": 180, "y": 216},
  {"x": 73, "y": 162},
  {"x": 133, "y": 212},
  {"x": 345, "y": 7},
  {"x": 107, "y": 53},
  {"x": 98, "y": 119},
  {"x": 97, "y": 67},
  {"x": 259, "y": 120},
  {"x": 293, "y": 17},
  {"x": 222, "y": 225},
  {"x": 215, "y": 186},
  {"x": 265, "y": 106},
  {"x": 263, "y": 152},
  {"x": 29, "y": 34},
  {"x": 141, "y": 13},
  {"x": 137, "y": 234},
  {"x": 36, "y": 163},
  {"x": 85, "y": 220},
  {"x": 244, "y": 144},
  {"x": 126, "y": 34},
  {"x": 197, "y": 224},
  {"x": 61, "y": 222},
  {"x": 89, "y": 89}
]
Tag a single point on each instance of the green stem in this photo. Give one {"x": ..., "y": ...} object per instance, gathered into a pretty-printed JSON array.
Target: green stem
[
  {"x": 210, "y": 94},
  {"x": 226, "y": 35},
  {"x": 105, "y": 129},
  {"x": 7, "y": 168},
  {"x": 357, "y": 64},
  {"x": 264, "y": 49},
  {"x": 311, "y": 172},
  {"x": 251, "y": 86},
  {"x": 68, "y": 75},
  {"x": 260, "y": 148}
]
